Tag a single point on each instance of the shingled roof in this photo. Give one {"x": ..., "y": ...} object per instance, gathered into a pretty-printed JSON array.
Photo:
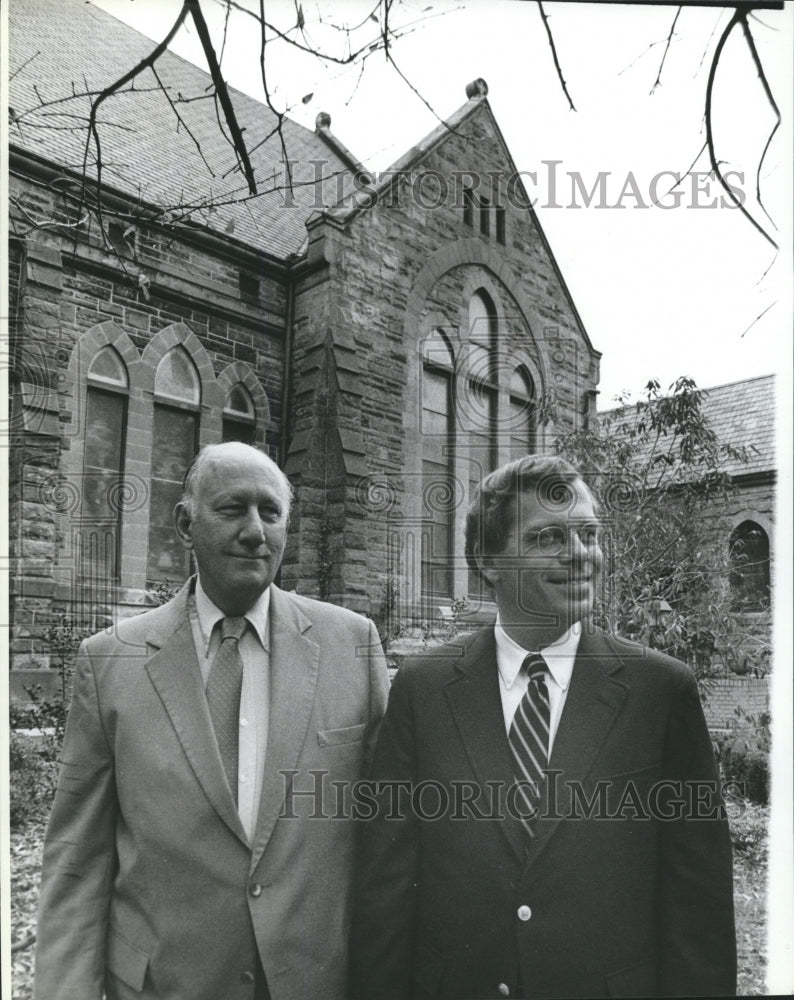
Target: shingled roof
[
  {"x": 741, "y": 414},
  {"x": 61, "y": 48}
]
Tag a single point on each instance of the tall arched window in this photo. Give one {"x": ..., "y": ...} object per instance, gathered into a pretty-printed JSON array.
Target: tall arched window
[
  {"x": 177, "y": 397},
  {"x": 483, "y": 397},
  {"x": 239, "y": 416},
  {"x": 523, "y": 416},
  {"x": 749, "y": 580},
  {"x": 438, "y": 456},
  {"x": 107, "y": 392}
]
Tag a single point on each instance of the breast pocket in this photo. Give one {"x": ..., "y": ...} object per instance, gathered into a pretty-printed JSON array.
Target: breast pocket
[{"x": 337, "y": 737}]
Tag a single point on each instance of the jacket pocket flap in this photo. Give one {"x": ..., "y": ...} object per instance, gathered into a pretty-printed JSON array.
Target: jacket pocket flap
[
  {"x": 333, "y": 737},
  {"x": 126, "y": 961}
]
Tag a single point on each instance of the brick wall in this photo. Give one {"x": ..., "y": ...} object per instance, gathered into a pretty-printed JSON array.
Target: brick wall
[{"x": 750, "y": 694}]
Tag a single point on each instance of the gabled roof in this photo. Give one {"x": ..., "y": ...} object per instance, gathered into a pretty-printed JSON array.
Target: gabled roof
[
  {"x": 357, "y": 200},
  {"x": 741, "y": 414},
  {"x": 59, "y": 47}
]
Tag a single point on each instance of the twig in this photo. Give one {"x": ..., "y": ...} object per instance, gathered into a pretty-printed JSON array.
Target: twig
[
  {"x": 762, "y": 313},
  {"x": 24, "y": 64},
  {"x": 737, "y": 17},
  {"x": 182, "y": 121},
  {"x": 553, "y": 48},
  {"x": 658, "y": 80},
  {"x": 768, "y": 91}
]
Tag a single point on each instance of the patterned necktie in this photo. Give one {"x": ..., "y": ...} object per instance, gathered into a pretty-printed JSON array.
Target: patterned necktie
[
  {"x": 224, "y": 685},
  {"x": 529, "y": 741}
]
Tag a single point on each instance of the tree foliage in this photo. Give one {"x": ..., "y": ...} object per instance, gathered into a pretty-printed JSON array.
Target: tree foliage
[{"x": 660, "y": 476}]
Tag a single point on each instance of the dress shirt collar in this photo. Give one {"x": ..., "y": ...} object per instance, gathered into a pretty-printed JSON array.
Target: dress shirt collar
[
  {"x": 559, "y": 656},
  {"x": 210, "y": 614}
]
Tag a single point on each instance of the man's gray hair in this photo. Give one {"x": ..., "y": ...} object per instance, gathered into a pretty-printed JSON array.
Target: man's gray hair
[{"x": 193, "y": 474}]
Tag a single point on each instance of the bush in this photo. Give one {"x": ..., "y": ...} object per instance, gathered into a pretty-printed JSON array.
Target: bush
[
  {"x": 32, "y": 780},
  {"x": 33, "y": 759},
  {"x": 749, "y": 830},
  {"x": 745, "y": 760}
]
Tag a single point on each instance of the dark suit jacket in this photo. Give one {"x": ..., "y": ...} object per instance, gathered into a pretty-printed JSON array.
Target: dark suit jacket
[
  {"x": 149, "y": 886},
  {"x": 608, "y": 899}
]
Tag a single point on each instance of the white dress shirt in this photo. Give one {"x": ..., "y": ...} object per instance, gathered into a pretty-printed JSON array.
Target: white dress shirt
[
  {"x": 254, "y": 649},
  {"x": 559, "y": 657}
]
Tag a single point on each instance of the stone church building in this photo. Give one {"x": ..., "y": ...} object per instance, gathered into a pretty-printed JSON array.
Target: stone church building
[{"x": 387, "y": 340}]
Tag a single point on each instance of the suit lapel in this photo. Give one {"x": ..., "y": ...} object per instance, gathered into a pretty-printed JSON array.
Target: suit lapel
[
  {"x": 595, "y": 698},
  {"x": 174, "y": 671},
  {"x": 294, "y": 665},
  {"x": 476, "y": 705}
]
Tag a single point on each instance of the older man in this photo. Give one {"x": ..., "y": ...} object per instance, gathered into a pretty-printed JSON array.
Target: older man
[
  {"x": 549, "y": 822},
  {"x": 181, "y": 860}
]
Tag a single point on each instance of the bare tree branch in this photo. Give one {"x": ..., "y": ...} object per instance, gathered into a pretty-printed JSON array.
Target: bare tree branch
[
  {"x": 666, "y": 49},
  {"x": 553, "y": 48},
  {"x": 768, "y": 91},
  {"x": 222, "y": 92},
  {"x": 737, "y": 18}
]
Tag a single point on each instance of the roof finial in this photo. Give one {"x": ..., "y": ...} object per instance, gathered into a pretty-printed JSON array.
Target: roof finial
[
  {"x": 323, "y": 120},
  {"x": 476, "y": 89}
]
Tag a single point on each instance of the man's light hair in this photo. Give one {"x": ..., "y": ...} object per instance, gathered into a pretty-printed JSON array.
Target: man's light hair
[
  {"x": 193, "y": 474},
  {"x": 492, "y": 512}
]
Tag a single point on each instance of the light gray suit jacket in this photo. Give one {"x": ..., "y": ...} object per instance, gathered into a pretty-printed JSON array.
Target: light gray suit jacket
[{"x": 150, "y": 888}]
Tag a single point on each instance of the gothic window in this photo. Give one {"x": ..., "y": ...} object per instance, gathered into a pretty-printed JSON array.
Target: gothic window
[
  {"x": 749, "y": 579},
  {"x": 482, "y": 385},
  {"x": 483, "y": 396},
  {"x": 103, "y": 466},
  {"x": 239, "y": 416},
  {"x": 177, "y": 392},
  {"x": 485, "y": 216},
  {"x": 468, "y": 206},
  {"x": 500, "y": 226},
  {"x": 523, "y": 418},
  {"x": 438, "y": 445}
]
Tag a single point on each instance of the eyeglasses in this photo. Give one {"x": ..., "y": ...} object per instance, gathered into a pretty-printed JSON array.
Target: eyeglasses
[{"x": 554, "y": 538}]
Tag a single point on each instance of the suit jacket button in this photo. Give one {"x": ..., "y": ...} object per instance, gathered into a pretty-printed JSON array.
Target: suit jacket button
[
  {"x": 524, "y": 913},
  {"x": 503, "y": 989},
  {"x": 255, "y": 889},
  {"x": 247, "y": 978}
]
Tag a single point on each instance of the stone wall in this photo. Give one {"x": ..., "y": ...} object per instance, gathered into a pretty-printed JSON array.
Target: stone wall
[
  {"x": 377, "y": 280},
  {"x": 72, "y": 291}
]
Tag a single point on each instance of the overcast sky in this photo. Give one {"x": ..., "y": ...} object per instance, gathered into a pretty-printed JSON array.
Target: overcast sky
[{"x": 663, "y": 292}]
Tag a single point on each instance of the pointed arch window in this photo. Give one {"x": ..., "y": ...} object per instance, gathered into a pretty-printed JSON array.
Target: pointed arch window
[
  {"x": 523, "y": 414},
  {"x": 107, "y": 392},
  {"x": 438, "y": 458},
  {"x": 749, "y": 579},
  {"x": 483, "y": 395},
  {"x": 239, "y": 416},
  {"x": 177, "y": 391}
]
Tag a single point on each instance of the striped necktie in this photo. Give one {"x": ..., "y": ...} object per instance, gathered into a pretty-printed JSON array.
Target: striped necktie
[
  {"x": 224, "y": 686},
  {"x": 529, "y": 741}
]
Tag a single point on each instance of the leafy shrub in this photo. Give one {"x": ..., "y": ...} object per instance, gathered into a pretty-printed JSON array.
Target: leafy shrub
[
  {"x": 33, "y": 760},
  {"x": 749, "y": 829},
  {"x": 32, "y": 780},
  {"x": 744, "y": 758}
]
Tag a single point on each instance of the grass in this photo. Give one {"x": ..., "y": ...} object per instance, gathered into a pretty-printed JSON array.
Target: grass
[{"x": 748, "y": 827}]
